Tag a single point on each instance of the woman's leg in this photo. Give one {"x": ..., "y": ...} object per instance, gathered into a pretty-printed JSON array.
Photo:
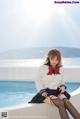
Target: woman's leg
[
  {"x": 60, "y": 104},
  {"x": 71, "y": 109}
]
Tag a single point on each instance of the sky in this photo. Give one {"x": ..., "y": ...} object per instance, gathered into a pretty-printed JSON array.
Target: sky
[{"x": 38, "y": 23}]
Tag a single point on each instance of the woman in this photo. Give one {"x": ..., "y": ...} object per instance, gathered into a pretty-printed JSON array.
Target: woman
[{"x": 51, "y": 88}]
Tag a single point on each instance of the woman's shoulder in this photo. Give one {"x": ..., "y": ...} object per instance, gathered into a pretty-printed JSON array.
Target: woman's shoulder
[{"x": 43, "y": 66}]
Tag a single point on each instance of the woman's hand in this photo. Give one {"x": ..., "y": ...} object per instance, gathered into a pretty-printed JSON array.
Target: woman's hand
[
  {"x": 45, "y": 94},
  {"x": 53, "y": 97},
  {"x": 61, "y": 96},
  {"x": 48, "y": 100},
  {"x": 62, "y": 89}
]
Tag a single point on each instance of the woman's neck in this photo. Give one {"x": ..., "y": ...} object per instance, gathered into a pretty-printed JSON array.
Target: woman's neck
[{"x": 53, "y": 66}]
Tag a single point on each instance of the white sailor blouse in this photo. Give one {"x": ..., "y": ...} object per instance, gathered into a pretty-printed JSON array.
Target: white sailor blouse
[{"x": 47, "y": 79}]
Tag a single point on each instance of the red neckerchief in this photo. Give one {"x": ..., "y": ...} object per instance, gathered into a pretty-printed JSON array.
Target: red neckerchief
[{"x": 52, "y": 70}]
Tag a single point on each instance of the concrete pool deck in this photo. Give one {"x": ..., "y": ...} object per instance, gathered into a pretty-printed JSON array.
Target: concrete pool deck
[{"x": 38, "y": 111}]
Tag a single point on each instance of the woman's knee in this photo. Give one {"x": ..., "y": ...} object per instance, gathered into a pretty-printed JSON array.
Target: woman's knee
[
  {"x": 66, "y": 101},
  {"x": 61, "y": 103},
  {"x": 58, "y": 102}
]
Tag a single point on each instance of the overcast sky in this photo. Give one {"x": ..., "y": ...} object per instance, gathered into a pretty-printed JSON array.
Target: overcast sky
[{"x": 34, "y": 23}]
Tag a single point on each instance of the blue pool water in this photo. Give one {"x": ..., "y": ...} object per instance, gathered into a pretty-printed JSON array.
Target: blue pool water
[{"x": 18, "y": 92}]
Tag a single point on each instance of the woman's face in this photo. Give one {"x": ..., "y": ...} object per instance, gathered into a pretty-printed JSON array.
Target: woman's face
[{"x": 54, "y": 61}]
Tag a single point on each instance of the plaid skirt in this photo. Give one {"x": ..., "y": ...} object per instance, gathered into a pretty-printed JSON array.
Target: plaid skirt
[{"x": 38, "y": 98}]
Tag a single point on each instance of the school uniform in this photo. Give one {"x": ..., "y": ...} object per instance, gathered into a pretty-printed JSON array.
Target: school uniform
[{"x": 49, "y": 80}]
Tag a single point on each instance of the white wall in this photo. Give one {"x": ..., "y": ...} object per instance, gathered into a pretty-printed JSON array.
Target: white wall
[{"x": 71, "y": 74}]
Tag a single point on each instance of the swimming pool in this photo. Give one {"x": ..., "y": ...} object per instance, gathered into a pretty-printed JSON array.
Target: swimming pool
[{"x": 18, "y": 92}]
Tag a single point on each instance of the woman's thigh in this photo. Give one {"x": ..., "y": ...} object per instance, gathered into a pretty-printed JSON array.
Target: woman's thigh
[{"x": 58, "y": 102}]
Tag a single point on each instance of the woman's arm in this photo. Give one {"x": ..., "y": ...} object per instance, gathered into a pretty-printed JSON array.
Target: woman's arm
[
  {"x": 48, "y": 100},
  {"x": 62, "y": 86},
  {"x": 62, "y": 82},
  {"x": 39, "y": 82}
]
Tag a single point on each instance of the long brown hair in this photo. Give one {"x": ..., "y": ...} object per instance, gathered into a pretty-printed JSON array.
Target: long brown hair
[{"x": 51, "y": 54}]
